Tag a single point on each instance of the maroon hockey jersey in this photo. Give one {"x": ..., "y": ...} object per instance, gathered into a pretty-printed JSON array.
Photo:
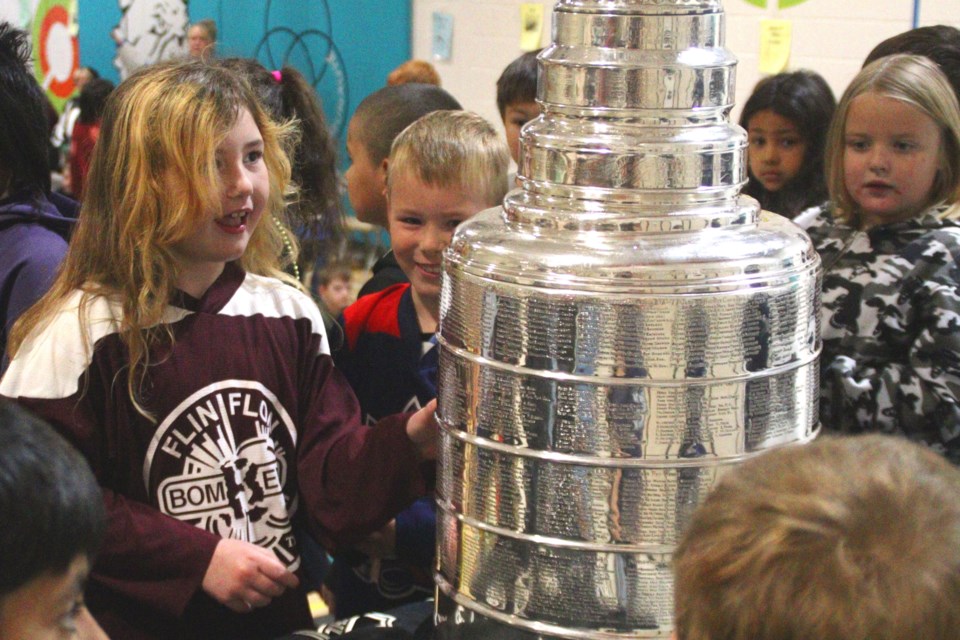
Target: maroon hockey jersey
[{"x": 254, "y": 432}]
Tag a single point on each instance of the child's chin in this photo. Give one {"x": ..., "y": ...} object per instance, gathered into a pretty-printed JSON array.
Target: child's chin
[{"x": 427, "y": 289}]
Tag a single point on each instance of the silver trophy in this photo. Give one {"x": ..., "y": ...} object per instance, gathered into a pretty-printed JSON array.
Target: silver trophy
[{"x": 623, "y": 330}]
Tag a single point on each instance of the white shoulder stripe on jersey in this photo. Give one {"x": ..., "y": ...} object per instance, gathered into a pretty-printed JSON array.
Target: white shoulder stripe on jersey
[
  {"x": 50, "y": 362},
  {"x": 272, "y": 298}
]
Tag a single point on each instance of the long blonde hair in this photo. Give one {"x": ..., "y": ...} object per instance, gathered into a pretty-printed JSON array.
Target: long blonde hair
[
  {"x": 161, "y": 127},
  {"x": 916, "y": 81}
]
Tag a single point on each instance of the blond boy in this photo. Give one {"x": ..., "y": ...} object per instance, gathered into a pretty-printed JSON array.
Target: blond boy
[{"x": 443, "y": 169}]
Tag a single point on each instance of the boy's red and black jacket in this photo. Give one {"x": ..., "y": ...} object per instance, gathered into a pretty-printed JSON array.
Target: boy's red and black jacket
[{"x": 381, "y": 353}]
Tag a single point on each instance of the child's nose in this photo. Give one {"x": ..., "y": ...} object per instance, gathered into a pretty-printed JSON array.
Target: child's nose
[
  {"x": 435, "y": 240},
  {"x": 879, "y": 159},
  {"x": 238, "y": 182}
]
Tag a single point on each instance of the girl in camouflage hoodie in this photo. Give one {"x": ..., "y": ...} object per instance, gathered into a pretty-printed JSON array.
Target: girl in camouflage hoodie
[{"x": 890, "y": 242}]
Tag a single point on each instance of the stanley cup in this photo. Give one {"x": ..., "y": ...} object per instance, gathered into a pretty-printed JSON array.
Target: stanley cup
[{"x": 617, "y": 335}]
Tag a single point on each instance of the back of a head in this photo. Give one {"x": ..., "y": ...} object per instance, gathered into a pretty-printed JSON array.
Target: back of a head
[
  {"x": 518, "y": 81},
  {"x": 453, "y": 148},
  {"x": 940, "y": 43},
  {"x": 853, "y": 538},
  {"x": 419, "y": 71},
  {"x": 382, "y": 115},
  {"x": 261, "y": 80},
  {"x": 93, "y": 98},
  {"x": 51, "y": 504},
  {"x": 24, "y": 160}
]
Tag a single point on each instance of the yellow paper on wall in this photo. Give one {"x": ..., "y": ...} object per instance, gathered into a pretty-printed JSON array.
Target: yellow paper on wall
[
  {"x": 774, "y": 45},
  {"x": 531, "y": 26}
]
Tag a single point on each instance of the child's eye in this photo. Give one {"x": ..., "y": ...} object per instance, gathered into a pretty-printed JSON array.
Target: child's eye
[
  {"x": 453, "y": 224},
  {"x": 519, "y": 122},
  {"x": 411, "y": 220},
  {"x": 68, "y": 621},
  {"x": 757, "y": 141},
  {"x": 857, "y": 145},
  {"x": 903, "y": 146},
  {"x": 253, "y": 156},
  {"x": 789, "y": 143}
]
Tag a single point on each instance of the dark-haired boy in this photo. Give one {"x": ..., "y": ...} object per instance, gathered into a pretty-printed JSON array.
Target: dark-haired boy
[
  {"x": 52, "y": 525},
  {"x": 379, "y": 118},
  {"x": 517, "y": 98}
]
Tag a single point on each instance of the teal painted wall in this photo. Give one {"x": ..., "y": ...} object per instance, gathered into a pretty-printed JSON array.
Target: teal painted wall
[{"x": 346, "y": 46}]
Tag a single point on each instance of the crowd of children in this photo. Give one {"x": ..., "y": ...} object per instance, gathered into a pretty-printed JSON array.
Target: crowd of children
[{"x": 221, "y": 431}]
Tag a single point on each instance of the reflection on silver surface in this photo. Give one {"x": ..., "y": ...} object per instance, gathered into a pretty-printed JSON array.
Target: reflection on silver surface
[{"x": 617, "y": 335}]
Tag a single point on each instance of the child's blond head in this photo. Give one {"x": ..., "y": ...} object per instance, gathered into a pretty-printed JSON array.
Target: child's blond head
[
  {"x": 852, "y": 538},
  {"x": 154, "y": 175},
  {"x": 453, "y": 149},
  {"x": 918, "y": 82}
]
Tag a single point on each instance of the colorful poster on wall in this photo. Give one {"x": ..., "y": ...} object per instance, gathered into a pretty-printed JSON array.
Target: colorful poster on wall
[{"x": 55, "y": 50}]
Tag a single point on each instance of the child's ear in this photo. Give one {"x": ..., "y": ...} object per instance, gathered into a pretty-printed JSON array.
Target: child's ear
[{"x": 384, "y": 166}]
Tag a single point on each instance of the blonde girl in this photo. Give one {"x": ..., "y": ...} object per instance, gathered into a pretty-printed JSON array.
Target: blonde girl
[
  {"x": 890, "y": 241},
  {"x": 197, "y": 383}
]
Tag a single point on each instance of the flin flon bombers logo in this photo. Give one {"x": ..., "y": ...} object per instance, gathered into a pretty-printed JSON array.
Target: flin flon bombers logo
[{"x": 219, "y": 462}]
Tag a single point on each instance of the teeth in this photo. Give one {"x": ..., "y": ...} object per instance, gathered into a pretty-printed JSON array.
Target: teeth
[{"x": 233, "y": 219}]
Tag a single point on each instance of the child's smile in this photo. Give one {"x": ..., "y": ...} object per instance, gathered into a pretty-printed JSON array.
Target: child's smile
[{"x": 234, "y": 222}]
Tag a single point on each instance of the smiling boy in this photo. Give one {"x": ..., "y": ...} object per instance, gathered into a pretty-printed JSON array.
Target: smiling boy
[{"x": 443, "y": 169}]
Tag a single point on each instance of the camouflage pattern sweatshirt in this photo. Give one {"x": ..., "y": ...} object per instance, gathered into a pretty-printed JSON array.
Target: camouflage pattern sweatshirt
[{"x": 890, "y": 323}]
